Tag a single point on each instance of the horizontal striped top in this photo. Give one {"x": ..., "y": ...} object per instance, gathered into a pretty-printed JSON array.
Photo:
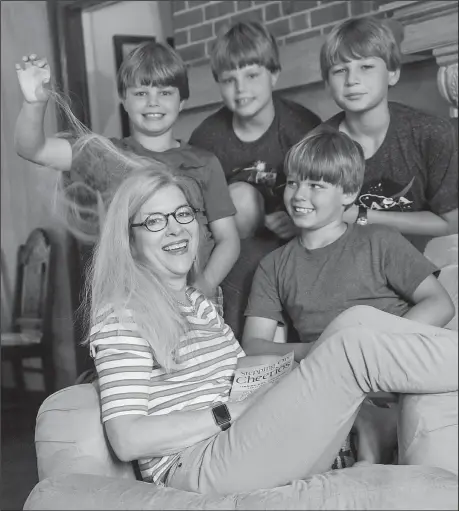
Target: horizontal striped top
[{"x": 132, "y": 382}]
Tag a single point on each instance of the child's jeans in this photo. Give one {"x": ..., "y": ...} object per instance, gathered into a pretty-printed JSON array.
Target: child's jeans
[{"x": 296, "y": 428}]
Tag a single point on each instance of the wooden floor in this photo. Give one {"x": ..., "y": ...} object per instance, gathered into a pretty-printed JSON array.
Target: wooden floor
[{"x": 19, "y": 465}]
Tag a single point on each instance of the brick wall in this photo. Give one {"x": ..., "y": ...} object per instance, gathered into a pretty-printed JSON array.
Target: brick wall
[{"x": 196, "y": 23}]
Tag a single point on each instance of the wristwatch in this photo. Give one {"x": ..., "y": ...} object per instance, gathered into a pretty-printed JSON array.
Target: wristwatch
[
  {"x": 222, "y": 416},
  {"x": 362, "y": 218}
]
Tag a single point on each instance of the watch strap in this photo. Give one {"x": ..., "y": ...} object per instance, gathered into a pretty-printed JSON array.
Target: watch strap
[{"x": 362, "y": 217}]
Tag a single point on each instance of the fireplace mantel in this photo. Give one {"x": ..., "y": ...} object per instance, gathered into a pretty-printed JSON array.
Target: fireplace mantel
[{"x": 429, "y": 29}]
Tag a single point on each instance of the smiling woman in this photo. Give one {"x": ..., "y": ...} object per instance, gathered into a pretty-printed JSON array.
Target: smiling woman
[{"x": 165, "y": 360}]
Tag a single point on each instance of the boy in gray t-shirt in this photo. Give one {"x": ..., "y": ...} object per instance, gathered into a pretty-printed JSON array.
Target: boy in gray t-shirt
[{"x": 331, "y": 265}]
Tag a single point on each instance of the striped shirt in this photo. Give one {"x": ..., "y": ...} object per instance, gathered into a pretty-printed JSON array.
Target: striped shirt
[{"x": 133, "y": 383}]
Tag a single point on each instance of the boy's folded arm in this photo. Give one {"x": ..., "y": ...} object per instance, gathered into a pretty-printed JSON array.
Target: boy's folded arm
[
  {"x": 432, "y": 304},
  {"x": 32, "y": 144},
  {"x": 411, "y": 222},
  {"x": 258, "y": 339}
]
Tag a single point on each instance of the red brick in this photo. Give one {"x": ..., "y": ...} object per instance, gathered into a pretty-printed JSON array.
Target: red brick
[
  {"x": 178, "y": 5},
  {"x": 292, "y": 6},
  {"x": 261, "y": 2},
  {"x": 329, "y": 14},
  {"x": 279, "y": 28},
  {"x": 193, "y": 51},
  {"x": 255, "y": 15},
  {"x": 209, "y": 46},
  {"x": 198, "y": 62},
  {"x": 272, "y": 12},
  {"x": 181, "y": 37},
  {"x": 358, "y": 7},
  {"x": 219, "y": 9},
  {"x": 243, "y": 4},
  {"x": 221, "y": 25},
  {"x": 188, "y": 18},
  {"x": 302, "y": 36},
  {"x": 299, "y": 22},
  {"x": 201, "y": 32}
]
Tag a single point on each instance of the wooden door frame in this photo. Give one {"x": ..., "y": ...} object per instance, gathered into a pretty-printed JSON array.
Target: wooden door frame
[{"x": 66, "y": 30}]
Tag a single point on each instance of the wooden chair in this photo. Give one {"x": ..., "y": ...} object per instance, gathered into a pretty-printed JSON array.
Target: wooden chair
[{"x": 32, "y": 333}]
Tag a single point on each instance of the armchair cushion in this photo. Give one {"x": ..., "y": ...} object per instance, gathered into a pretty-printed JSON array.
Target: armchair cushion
[
  {"x": 77, "y": 470},
  {"x": 69, "y": 437}
]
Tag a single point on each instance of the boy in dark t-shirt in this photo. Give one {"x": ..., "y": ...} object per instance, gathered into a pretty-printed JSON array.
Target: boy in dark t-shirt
[
  {"x": 411, "y": 157},
  {"x": 332, "y": 266},
  {"x": 250, "y": 135}
]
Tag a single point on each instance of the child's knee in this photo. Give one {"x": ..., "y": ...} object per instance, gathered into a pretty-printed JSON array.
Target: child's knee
[{"x": 249, "y": 205}]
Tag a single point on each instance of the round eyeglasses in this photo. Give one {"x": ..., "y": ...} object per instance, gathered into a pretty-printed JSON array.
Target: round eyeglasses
[{"x": 158, "y": 221}]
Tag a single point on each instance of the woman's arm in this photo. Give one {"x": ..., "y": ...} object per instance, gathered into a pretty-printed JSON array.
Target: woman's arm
[
  {"x": 433, "y": 306},
  {"x": 143, "y": 436},
  {"x": 411, "y": 222}
]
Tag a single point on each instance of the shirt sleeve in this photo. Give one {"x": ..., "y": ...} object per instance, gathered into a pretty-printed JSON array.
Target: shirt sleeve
[
  {"x": 124, "y": 363},
  {"x": 264, "y": 300},
  {"x": 442, "y": 186},
  {"x": 216, "y": 194},
  {"x": 404, "y": 266}
]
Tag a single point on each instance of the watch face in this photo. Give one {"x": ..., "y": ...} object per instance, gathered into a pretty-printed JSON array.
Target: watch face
[{"x": 221, "y": 414}]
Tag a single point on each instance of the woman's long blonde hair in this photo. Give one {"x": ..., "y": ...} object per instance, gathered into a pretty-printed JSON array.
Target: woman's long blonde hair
[
  {"x": 118, "y": 277},
  {"x": 98, "y": 208}
]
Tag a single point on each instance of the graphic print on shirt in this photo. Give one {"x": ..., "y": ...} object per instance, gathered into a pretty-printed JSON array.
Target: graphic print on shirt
[
  {"x": 264, "y": 178},
  {"x": 385, "y": 195}
]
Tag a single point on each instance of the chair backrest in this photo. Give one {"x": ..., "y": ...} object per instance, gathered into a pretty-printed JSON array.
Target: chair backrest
[{"x": 32, "y": 303}]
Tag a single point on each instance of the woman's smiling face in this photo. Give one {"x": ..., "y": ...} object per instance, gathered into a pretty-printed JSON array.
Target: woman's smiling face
[{"x": 172, "y": 250}]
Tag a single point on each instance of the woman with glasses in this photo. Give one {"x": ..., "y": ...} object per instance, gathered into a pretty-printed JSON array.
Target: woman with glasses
[{"x": 165, "y": 360}]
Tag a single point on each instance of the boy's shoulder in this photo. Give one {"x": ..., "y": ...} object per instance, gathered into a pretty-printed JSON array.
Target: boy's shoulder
[
  {"x": 198, "y": 155},
  {"x": 286, "y": 106},
  {"x": 277, "y": 258},
  {"x": 418, "y": 121},
  {"x": 214, "y": 125}
]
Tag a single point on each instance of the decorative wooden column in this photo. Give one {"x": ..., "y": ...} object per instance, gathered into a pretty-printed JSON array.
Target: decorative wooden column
[
  {"x": 432, "y": 27},
  {"x": 447, "y": 75}
]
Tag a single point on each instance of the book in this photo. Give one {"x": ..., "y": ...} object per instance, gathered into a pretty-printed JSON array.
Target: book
[{"x": 249, "y": 379}]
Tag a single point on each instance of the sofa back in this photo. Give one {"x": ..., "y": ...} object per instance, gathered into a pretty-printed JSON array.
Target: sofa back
[{"x": 70, "y": 438}]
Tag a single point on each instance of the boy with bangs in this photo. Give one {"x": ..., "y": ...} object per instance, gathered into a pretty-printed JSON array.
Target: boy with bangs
[
  {"x": 333, "y": 265},
  {"x": 410, "y": 180},
  {"x": 153, "y": 86},
  {"x": 251, "y": 135}
]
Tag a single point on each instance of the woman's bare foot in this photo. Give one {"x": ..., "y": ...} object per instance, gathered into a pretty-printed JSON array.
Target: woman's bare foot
[{"x": 376, "y": 430}]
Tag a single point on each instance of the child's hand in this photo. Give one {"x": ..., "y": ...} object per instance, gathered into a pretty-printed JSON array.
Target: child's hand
[
  {"x": 32, "y": 77},
  {"x": 281, "y": 224}
]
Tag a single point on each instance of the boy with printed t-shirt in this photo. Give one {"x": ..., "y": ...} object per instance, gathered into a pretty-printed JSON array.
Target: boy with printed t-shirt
[
  {"x": 153, "y": 86},
  {"x": 411, "y": 157},
  {"x": 250, "y": 135}
]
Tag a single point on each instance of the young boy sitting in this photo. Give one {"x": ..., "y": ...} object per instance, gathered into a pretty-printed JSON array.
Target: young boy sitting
[
  {"x": 332, "y": 265},
  {"x": 411, "y": 172},
  {"x": 153, "y": 86},
  {"x": 251, "y": 135}
]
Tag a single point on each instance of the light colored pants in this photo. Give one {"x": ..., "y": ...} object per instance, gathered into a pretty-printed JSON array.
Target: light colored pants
[{"x": 296, "y": 428}]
